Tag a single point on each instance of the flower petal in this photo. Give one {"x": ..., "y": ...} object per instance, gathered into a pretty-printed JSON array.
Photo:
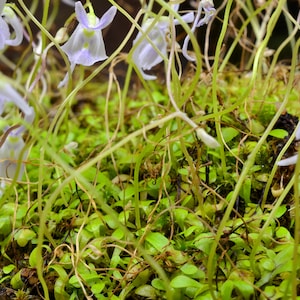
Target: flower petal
[
  {"x": 11, "y": 95},
  {"x": 15, "y": 23},
  {"x": 145, "y": 56},
  {"x": 11, "y": 153},
  {"x": 107, "y": 18},
  {"x": 288, "y": 161},
  {"x": 4, "y": 33},
  {"x": 81, "y": 14},
  {"x": 85, "y": 47},
  {"x": 187, "y": 18},
  {"x": 83, "y": 17}
]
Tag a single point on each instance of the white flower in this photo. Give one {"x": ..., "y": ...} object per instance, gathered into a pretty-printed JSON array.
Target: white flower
[
  {"x": 9, "y": 94},
  {"x": 288, "y": 161},
  {"x": 86, "y": 46},
  {"x": 293, "y": 159},
  {"x": 9, "y": 19},
  {"x": 145, "y": 55},
  {"x": 12, "y": 144},
  {"x": 209, "y": 12},
  {"x": 152, "y": 47},
  {"x": 11, "y": 155}
]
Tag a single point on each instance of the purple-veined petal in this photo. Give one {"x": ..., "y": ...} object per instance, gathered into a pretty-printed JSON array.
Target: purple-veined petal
[{"x": 288, "y": 161}]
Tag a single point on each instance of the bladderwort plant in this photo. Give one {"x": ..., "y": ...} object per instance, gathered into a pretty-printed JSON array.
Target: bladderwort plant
[{"x": 134, "y": 189}]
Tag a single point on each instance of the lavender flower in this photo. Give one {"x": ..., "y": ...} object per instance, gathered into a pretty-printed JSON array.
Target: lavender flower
[
  {"x": 293, "y": 159},
  {"x": 9, "y": 94},
  {"x": 209, "y": 12},
  {"x": 152, "y": 47},
  {"x": 11, "y": 153},
  {"x": 86, "y": 46},
  {"x": 12, "y": 144},
  {"x": 9, "y": 19}
]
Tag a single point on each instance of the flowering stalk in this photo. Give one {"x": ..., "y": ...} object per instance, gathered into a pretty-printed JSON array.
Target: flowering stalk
[{"x": 207, "y": 139}]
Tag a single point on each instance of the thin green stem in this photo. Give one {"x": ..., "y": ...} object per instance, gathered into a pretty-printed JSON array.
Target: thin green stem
[{"x": 215, "y": 81}]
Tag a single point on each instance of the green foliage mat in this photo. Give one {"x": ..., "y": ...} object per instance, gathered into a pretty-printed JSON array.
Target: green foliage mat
[{"x": 110, "y": 214}]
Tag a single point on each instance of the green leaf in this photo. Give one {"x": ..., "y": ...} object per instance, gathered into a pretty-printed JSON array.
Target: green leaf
[
  {"x": 146, "y": 291},
  {"x": 24, "y": 236},
  {"x": 280, "y": 211},
  {"x": 226, "y": 290},
  {"x": 16, "y": 281},
  {"x": 282, "y": 233},
  {"x": 74, "y": 281},
  {"x": 4, "y": 278},
  {"x": 33, "y": 255},
  {"x": 7, "y": 269},
  {"x": 267, "y": 263},
  {"x": 5, "y": 225},
  {"x": 180, "y": 216},
  {"x": 229, "y": 133},
  {"x": 245, "y": 288},
  {"x": 60, "y": 283},
  {"x": 182, "y": 281},
  {"x": 245, "y": 191},
  {"x": 157, "y": 240},
  {"x": 279, "y": 133},
  {"x": 204, "y": 241},
  {"x": 189, "y": 269},
  {"x": 142, "y": 278},
  {"x": 97, "y": 288},
  {"x": 158, "y": 284}
]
